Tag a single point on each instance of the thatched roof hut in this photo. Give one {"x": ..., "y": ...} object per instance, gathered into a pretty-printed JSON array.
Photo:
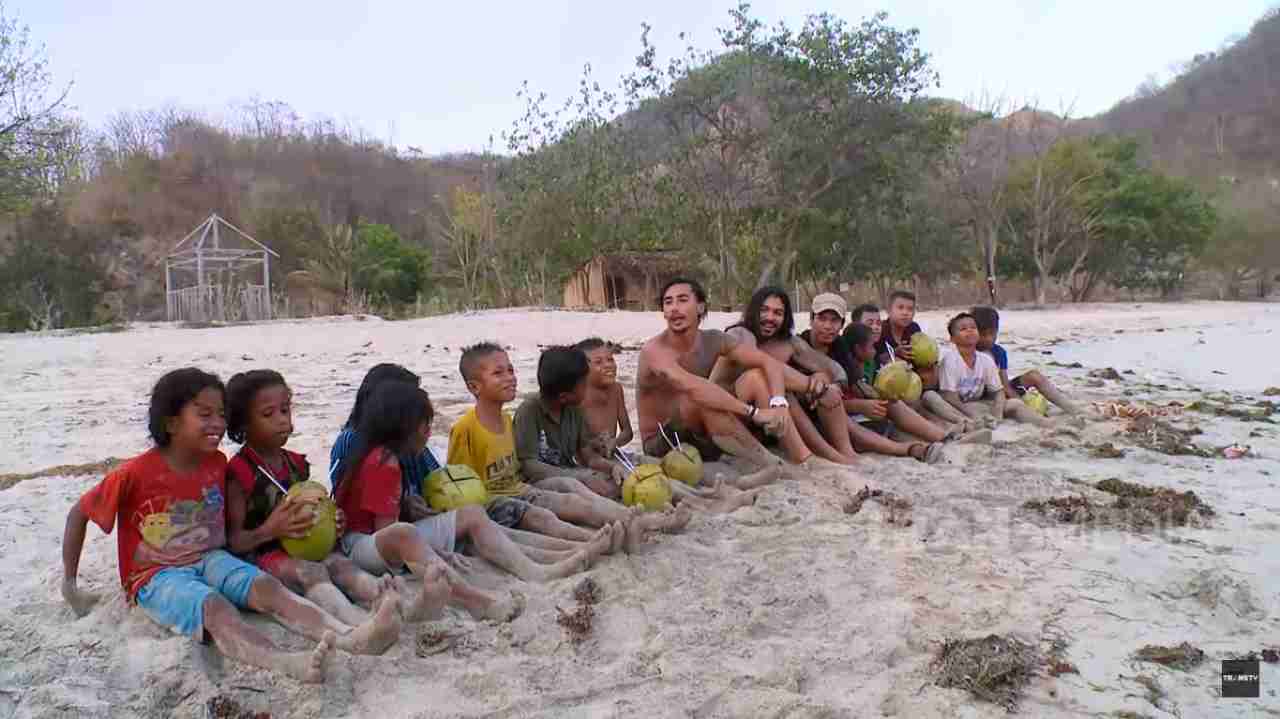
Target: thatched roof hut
[{"x": 624, "y": 280}]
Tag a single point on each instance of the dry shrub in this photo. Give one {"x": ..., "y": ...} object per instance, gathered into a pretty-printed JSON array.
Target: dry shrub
[
  {"x": 1159, "y": 436},
  {"x": 577, "y": 623},
  {"x": 224, "y": 707},
  {"x": 1183, "y": 656},
  {"x": 995, "y": 669}
]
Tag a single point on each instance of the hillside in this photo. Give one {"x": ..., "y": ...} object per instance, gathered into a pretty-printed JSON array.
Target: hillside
[{"x": 1218, "y": 119}]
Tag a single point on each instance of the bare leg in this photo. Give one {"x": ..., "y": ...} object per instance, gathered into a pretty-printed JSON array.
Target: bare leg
[
  {"x": 493, "y": 544},
  {"x": 357, "y": 583},
  {"x": 814, "y": 440},
  {"x": 544, "y": 521},
  {"x": 867, "y": 441},
  {"x": 721, "y": 505},
  {"x": 939, "y": 406},
  {"x": 240, "y": 641},
  {"x": 1016, "y": 409},
  {"x": 1050, "y": 391},
  {"x": 480, "y": 604},
  {"x": 313, "y": 578},
  {"x": 541, "y": 541},
  {"x": 573, "y": 507},
  {"x": 752, "y": 388},
  {"x": 402, "y": 544},
  {"x": 910, "y": 421},
  {"x": 268, "y": 596}
]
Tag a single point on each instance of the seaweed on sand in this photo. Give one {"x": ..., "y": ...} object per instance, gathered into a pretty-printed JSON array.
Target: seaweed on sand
[{"x": 993, "y": 668}]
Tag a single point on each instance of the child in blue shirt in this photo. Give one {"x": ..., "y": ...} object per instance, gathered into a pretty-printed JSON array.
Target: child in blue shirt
[{"x": 988, "y": 320}]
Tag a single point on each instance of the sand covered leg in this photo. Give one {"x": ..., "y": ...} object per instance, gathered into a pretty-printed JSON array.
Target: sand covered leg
[
  {"x": 240, "y": 641},
  {"x": 1050, "y": 391},
  {"x": 358, "y": 584},
  {"x": 545, "y": 521},
  {"x": 317, "y": 586},
  {"x": 494, "y": 545},
  {"x": 268, "y": 596},
  {"x": 939, "y": 406}
]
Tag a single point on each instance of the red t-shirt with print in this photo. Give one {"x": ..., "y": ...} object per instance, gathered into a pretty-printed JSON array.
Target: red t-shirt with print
[
  {"x": 167, "y": 518},
  {"x": 373, "y": 492}
]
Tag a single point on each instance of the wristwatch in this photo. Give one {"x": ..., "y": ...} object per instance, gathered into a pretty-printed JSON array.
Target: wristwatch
[
  {"x": 778, "y": 401},
  {"x": 751, "y": 413}
]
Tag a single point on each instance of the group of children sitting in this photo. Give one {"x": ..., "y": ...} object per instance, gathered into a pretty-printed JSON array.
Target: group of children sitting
[
  {"x": 969, "y": 389},
  {"x": 200, "y": 537}
]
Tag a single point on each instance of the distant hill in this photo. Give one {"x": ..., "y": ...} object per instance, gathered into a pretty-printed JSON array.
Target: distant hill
[{"x": 1220, "y": 118}]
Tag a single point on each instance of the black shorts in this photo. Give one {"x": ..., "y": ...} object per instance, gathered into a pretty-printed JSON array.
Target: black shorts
[
  {"x": 510, "y": 511},
  {"x": 1016, "y": 384}
]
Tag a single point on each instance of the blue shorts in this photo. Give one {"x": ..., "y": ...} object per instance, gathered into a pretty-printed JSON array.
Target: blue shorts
[{"x": 175, "y": 596}]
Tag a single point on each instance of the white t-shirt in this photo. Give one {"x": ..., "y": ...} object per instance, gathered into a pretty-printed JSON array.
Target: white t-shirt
[{"x": 955, "y": 375}]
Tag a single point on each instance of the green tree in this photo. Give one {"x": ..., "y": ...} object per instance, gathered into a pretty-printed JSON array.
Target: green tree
[
  {"x": 36, "y": 141},
  {"x": 390, "y": 270},
  {"x": 50, "y": 279}
]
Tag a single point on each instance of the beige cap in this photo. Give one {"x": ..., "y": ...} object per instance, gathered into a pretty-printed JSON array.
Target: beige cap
[{"x": 828, "y": 301}]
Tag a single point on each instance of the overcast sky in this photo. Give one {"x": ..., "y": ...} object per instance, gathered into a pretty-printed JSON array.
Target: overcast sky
[{"x": 442, "y": 74}]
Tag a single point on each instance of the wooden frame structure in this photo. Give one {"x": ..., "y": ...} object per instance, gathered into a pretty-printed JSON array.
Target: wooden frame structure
[{"x": 215, "y": 294}]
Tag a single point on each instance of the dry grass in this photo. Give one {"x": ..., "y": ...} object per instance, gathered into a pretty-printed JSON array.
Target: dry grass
[
  {"x": 994, "y": 669},
  {"x": 102, "y": 466},
  {"x": 897, "y": 509}
]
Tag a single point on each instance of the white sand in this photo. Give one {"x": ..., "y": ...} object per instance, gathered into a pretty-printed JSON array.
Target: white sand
[{"x": 789, "y": 608}]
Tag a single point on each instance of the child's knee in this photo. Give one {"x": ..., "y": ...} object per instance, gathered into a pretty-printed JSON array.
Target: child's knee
[
  {"x": 1032, "y": 378},
  {"x": 469, "y": 518},
  {"x": 218, "y": 610},
  {"x": 311, "y": 574}
]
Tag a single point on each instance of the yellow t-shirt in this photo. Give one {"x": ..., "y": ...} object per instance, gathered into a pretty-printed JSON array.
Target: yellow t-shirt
[{"x": 492, "y": 456}]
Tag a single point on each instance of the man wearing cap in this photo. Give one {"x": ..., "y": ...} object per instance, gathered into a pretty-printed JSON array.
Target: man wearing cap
[{"x": 768, "y": 323}]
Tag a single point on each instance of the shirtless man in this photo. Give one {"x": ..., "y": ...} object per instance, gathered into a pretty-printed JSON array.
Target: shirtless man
[
  {"x": 673, "y": 392},
  {"x": 768, "y": 324}
]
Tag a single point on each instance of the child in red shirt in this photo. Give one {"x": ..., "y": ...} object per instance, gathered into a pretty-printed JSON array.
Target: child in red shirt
[
  {"x": 260, "y": 416},
  {"x": 170, "y": 507},
  {"x": 396, "y": 424}
]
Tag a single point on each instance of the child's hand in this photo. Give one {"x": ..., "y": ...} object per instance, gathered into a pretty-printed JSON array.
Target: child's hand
[
  {"x": 773, "y": 420},
  {"x": 831, "y": 398},
  {"x": 618, "y": 473},
  {"x": 877, "y": 409},
  {"x": 292, "y": 518},
  {"x": 81, "y": 601},
  {"x": 340, "y": 522},
  {"x": 903, "y": 351}
]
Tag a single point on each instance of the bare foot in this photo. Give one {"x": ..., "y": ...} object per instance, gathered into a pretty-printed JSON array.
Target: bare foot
[
  {"x": 380, "y": 632},
  {"x": 617, "y": 537},
  {"x": 736, "y": 501},
  {"x": 308, "y": 667},
  {"x": 429, "y": 604},
  {"x": 635, "y": 528},
  {"x": 603, "y": 542},
  {"x": 674, "y": 520},
  {"x": 759, "y": 478},
  {"x": 500, "y": 610},
  {"x": 982, "y": 436}
]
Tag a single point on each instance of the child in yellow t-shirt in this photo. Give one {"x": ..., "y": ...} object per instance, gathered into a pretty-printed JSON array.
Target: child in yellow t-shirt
[{"x": 484, "y": 439}]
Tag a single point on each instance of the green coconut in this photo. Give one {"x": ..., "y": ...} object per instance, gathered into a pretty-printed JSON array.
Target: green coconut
[
  {"x": 924, "y": 350},
  {"x": 1037, "y": 402},
  {"x": 452, "y": 487},
  {"x": 647, "y": 487},
  {"x": 323, "y": 535},
  {"x": 915, "y": 388},
  {"x": 684, "y": 464},
  {"x": 894, "y": 380}
]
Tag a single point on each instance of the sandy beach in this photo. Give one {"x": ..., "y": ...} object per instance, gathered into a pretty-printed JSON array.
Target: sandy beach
[{"x": 790, "y": 608}]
